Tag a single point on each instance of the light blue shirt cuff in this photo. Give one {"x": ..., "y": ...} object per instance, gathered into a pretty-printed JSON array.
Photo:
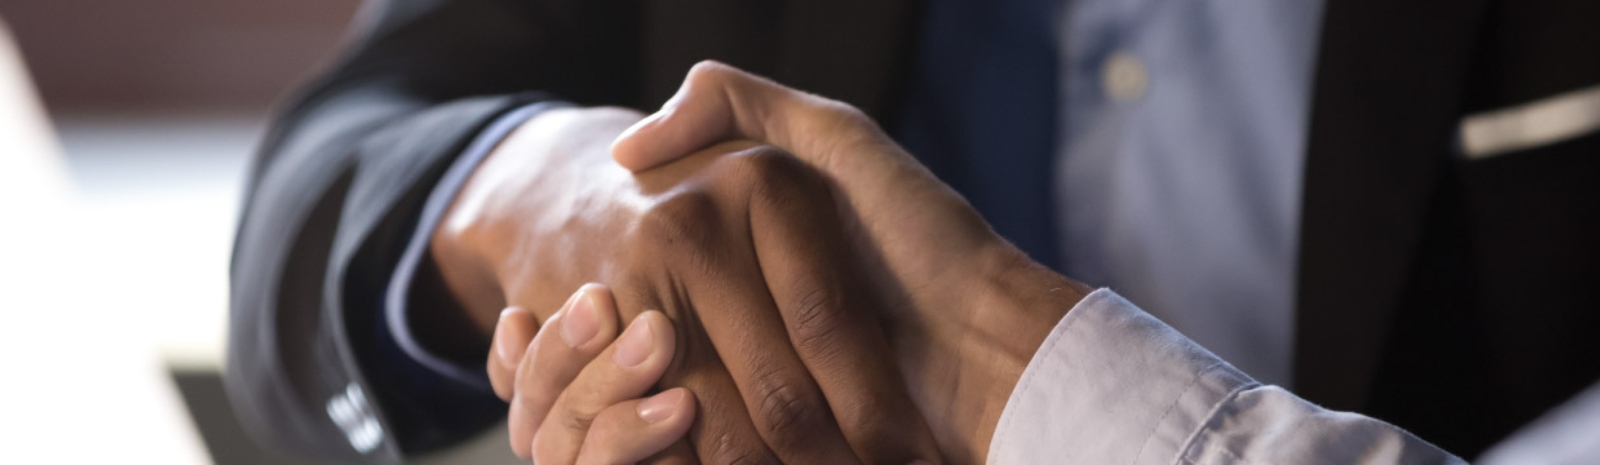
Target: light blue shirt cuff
[
  {"x": 1112, "y": 384},
  {"x": 433, "y": 210}
]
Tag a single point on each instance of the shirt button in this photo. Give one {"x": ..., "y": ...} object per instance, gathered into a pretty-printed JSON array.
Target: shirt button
[{"x": 1124, "y": 77}]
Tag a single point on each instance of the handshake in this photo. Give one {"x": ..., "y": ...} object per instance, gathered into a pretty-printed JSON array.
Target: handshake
[{"x": 761, "y": 275}]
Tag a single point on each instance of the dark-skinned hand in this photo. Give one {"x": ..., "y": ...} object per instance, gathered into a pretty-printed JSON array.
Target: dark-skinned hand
[{"x": 739, "y": 245}]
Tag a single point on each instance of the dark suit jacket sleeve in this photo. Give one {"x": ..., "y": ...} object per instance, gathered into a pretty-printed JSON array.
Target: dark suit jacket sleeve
[{"x": 336, "y": 189}]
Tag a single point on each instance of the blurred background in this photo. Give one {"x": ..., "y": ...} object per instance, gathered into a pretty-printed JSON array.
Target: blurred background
[{"x": 125, "y": 134}]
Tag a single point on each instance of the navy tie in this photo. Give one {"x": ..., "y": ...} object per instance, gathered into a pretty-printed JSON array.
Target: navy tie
[{"x": 981, "y": 112}]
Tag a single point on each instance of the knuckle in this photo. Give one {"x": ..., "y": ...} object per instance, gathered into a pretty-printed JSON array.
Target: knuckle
[
  {"x": 709, "y": 72},
  {"x": 772, "y": 175},
  {"x": 685, "y": 218},
  {"x": 815, "y": 319},
  {"x": 606, "y": 434},
  {"x": 788, "y": 417},
  {"x": 574, "y": 419},
  {"x": 766, "y": 162},
  {"x": 844, "y": 113},
  {"x": 725, "y": 450},
  {"x": 873, "y": 414},
  {"x": 849, "y": 124}
]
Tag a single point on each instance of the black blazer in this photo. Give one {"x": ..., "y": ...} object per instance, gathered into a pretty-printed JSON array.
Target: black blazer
[{"x": 1455, "y": 298}]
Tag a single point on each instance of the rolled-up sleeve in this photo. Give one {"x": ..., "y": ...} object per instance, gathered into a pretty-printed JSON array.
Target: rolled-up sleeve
[{"x": 1112, "y": 384}]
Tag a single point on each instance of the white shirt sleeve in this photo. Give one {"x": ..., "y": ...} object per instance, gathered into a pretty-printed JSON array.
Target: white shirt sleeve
[{"x": 1112, "y": 384}]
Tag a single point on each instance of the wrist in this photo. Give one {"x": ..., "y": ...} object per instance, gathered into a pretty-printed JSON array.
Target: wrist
[
  {"x": 1014, "y": 304},
  {"x": 460, "y": 271},
  {"x": 1018, "y": 302},
  {"x": 474, "y": 229},
  {"x": 467, "y": 276},
  {"x": 514, "y": 234}
]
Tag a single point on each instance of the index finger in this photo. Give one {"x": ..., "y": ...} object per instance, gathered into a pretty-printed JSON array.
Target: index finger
[{"x": 831, "y": 314}]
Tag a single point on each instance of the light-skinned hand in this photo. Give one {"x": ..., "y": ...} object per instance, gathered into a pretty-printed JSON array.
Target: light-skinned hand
[{"x": 583, "y": 401}]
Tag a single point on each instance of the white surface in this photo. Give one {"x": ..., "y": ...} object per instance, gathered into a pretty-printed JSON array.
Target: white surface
[
  {"x": 165, "y": 190},
  {"x": 82, "y": 383}
]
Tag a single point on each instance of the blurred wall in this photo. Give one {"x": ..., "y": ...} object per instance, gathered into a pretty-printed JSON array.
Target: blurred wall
[{"x": 98, "y": 56}]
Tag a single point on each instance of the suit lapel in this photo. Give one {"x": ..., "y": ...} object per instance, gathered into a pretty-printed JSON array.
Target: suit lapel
[{"x": 1387, "y": 98}]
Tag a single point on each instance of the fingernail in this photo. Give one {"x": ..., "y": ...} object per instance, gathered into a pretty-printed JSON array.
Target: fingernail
[
  {"x": 635, "y": 345},
  {"x": 581, "y": 322},
  {"x": 660, "y": 407},
  {"x": 505, "y": 345}
]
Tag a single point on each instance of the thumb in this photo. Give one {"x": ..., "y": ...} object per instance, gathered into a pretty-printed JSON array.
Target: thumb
[
  {"x": 893, "y": 194},
  {"x": 718, "y": 102}
]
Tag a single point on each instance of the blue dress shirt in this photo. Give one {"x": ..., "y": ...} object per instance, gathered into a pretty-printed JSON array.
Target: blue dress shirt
[{"x": 1152, "y": 146}]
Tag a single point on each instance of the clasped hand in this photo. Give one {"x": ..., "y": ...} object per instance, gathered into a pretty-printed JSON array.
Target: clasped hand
[{"x": 795, "y": 287}]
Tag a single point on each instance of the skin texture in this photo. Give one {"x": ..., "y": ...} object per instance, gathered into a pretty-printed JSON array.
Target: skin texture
[
  {"x": 901, "y": 260},
  {"x": 972, "y": 309},
  {"x": 743, "y": 250},
  {"x": 596, "y": 414}
]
